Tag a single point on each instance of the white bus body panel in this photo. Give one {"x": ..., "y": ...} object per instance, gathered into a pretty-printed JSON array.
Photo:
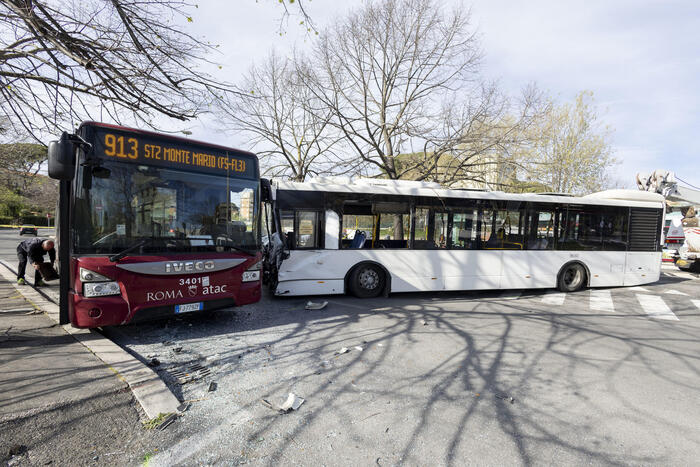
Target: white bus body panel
[
  {"x": 642, "y": 268},
  {"x": 323, "y": 272}
]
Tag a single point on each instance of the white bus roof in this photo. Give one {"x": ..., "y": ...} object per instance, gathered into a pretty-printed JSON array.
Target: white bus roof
[{"x": 633, "y": 198}]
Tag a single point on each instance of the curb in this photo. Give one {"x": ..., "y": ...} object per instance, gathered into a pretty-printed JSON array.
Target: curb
[{"x": 149, "y": 390}]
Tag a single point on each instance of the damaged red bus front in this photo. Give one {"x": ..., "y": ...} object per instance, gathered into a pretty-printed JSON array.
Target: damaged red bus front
[{"x": 151, "y": 225}]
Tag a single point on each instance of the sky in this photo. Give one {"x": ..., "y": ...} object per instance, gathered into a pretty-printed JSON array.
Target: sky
[{"x": 641, "y": 60}]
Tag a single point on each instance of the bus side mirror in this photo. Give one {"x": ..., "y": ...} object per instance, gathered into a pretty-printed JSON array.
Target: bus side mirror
[{"x": 62, "y": 158}]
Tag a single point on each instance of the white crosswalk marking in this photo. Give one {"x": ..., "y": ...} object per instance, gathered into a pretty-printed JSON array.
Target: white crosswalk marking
[
  {"x": 601, "y": 300},
  {"x": 696, "y": 303},
  {"x": 637, "y": 289},
  {"x": 554, "y": 298},
  {"x": 675, "y": 292},
  {"x": 655, "y": 307},
  {"x": 510, "y": 295}
]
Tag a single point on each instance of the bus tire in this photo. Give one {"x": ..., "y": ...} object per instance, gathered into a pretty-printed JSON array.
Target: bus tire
[
  {"x": 367, "y": 281},
  {"x": 572, "y": 277}
]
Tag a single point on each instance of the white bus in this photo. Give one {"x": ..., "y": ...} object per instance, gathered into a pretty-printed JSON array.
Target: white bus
[{"x": 370, "y": 237}]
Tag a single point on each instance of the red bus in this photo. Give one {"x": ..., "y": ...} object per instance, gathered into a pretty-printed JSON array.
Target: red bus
[{"x": 151, "y": 225}]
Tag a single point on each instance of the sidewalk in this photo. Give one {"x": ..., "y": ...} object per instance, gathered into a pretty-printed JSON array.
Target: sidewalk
[{"x": 58, "y": 401}]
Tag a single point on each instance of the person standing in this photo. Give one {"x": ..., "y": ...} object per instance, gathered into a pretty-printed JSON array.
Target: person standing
[{"x": 34, "y": 249}]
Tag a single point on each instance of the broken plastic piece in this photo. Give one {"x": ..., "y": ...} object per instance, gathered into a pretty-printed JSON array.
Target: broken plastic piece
[
  {"x": 316, "y": 306},
  {"x": 358, "y": 348},
  {"x": 342, "y": 351},
  {"x": 293, "y": 402}
]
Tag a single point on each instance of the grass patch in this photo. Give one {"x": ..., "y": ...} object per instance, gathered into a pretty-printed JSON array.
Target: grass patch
[{"x": 155, "y": 422}]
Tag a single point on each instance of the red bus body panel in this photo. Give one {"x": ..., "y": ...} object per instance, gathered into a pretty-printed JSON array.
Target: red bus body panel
[{"x": 142, "y": 293}]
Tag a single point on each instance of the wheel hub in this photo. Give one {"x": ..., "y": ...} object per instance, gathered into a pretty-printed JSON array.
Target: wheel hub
[{"x": 369, "y": 279}]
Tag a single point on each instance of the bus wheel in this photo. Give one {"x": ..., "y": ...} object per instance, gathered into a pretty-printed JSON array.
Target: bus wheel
[
  {"x": 367, "y": 281},
  {"x": 572, "y": 278}
]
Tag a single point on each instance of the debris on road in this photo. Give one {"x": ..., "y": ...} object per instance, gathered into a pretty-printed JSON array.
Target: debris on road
[
  {"x": 17, "y": 450},
  {"x": 315, "y": 306},
  {"x": 193, "y": 373},
  {"x": 358, "y": 348},
  {"x": 424, "y": 322},
  {"x": 177, "y": 349},
  {"x": 293, "y": 402},
  {"x": 167, "y": 421},
  {"x": 183, "y": 407},
  {"x": 506, "y": 398},
  {"x": 154, "y": 362},
  {"x": 342, "y": 351},
  {"x": 212, "y": 387}
]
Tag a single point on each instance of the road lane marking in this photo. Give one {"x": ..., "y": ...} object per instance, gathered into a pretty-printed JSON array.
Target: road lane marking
[
  {"x": 510, "y": 295},
  {"x": 675, "y": 292},
  {"x": 655, "y": 307},
  {"x": 696, "y": 303},
  {"x": 601, "y": 300},
  {"x": 638, "y": 289},
  {"x": 554, "y": 298}
]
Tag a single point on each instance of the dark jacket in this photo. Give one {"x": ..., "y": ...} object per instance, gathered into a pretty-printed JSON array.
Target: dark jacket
[{"x": 35, "y": 253}]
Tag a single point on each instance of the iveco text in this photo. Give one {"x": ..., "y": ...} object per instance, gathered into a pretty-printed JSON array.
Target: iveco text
[{"x": 189, "y": 266}]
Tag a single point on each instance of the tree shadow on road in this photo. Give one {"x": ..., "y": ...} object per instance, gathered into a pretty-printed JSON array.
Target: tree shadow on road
[{"x": 438, "y": 371}]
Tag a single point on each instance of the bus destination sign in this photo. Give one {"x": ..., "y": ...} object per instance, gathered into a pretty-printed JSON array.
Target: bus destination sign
[{"x": 142, "y": 149}]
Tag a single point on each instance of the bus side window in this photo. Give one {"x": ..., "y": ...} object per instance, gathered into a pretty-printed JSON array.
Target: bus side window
[
  {"x": 307, "y": 229},
  {"x": 357, "y": 231},
  {"x": 487, "y": 233},
  {"x": 615, "y": 230},
  {"x": 540, "y": 230},
  {"x": 440, "y": 230},
  {"x": 464, "y": 230},
  {"x": 287, "y": 225},
  {"x": 421, "y": 230}
]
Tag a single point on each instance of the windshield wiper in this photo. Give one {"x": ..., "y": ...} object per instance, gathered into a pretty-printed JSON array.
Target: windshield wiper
[{"x": 123, "y": 253}]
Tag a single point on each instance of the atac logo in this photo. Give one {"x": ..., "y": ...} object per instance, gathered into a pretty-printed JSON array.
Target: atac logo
[{"x": 179, "y": 267}]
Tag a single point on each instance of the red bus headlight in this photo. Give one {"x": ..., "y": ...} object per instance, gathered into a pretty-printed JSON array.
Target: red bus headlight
[{"x": 101, "y": 289}]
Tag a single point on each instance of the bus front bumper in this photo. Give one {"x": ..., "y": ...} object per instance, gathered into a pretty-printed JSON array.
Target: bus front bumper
[{"x": 115, "y": 310}]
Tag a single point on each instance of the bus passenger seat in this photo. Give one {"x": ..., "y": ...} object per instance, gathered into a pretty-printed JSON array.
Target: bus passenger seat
[{"x": 358, "y": 240}]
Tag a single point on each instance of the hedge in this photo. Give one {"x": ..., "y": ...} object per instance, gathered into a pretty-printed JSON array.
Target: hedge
[{"x": 39, "y": 221}]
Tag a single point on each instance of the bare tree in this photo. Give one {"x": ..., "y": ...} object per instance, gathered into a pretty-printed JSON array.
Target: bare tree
[
  {"x": 477, "y": 140},
  {"x": 401, "y": 78},
  {"x": 571, "y": 150},
  {"x": 283, "y": 120},
  {"x": 19, "y": 164},
  {"x": 296, "y": 9},
  {"x": 63, "y": 61}
]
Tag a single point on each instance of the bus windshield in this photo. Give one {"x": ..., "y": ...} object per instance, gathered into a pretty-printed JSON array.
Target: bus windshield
[{"x": 162, "y": 210}]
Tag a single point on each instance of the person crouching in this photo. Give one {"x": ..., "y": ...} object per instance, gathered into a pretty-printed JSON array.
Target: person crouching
[{"x": 34, "y": 249}]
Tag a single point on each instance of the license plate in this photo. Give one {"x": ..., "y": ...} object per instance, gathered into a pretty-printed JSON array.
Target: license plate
[{"x": 187, "y": 307}]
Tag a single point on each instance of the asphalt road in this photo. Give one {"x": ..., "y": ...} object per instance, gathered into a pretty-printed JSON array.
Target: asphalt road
[{"x": 609, "y": 376}]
